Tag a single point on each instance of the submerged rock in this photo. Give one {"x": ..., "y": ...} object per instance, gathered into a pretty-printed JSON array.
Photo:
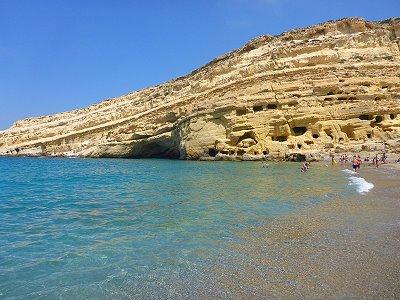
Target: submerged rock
[{"x": 329, "y": 87}]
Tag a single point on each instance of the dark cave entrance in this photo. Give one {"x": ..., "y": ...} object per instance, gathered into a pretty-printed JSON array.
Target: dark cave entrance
[
  {"x": 212, "y": 152},
  {"x": 257, "y": 108},
  {"x": 163, "y": 147},
  {"x": 272, "y": 106},
  {"x": 299, "y": 130}
]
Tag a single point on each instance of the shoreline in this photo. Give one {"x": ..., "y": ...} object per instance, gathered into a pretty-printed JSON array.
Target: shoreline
[
  {"x": 344, "y": 248},
  {"x": 319, "y": 157}
]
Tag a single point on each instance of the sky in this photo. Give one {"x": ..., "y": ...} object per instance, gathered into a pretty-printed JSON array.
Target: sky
[{"x": 58, "y": 55}]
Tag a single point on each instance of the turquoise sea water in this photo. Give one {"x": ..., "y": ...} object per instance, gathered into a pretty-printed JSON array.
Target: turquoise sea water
[{"x": 115, "y": 229}]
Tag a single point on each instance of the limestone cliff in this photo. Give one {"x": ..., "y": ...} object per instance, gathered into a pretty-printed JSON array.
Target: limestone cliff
[{"x": 330, "y": 87}]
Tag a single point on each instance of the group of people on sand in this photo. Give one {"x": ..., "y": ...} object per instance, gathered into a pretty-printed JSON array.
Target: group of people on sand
[
  {"x": 357, "y": 161},
  {"x": 343, "y": 159}
]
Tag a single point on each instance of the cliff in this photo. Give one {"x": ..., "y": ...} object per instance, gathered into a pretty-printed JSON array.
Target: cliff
[{"x": 329, "y": 87}]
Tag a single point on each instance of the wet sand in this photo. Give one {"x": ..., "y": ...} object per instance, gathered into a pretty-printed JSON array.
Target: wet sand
[{"x": 347, "y": 248}]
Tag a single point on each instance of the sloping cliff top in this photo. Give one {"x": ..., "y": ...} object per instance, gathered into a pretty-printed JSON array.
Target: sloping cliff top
[{"x": 329, "y": 80}]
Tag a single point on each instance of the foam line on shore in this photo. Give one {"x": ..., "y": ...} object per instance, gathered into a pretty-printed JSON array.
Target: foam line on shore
[{"x": 362, "y": 186}]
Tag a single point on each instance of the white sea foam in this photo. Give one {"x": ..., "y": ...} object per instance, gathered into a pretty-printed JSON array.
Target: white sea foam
[{"x": 361, "y": 184}]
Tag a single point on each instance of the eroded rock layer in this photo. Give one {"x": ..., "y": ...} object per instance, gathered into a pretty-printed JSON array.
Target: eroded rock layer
[{"x": 330, "y": 87}]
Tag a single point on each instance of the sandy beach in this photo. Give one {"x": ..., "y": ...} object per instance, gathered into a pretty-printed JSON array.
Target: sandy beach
[{"x": 347, "y": 248}]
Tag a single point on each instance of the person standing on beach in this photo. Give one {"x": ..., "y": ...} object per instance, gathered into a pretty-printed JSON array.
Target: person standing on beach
[
  {"x": 375, "y": 161},
  {"x": 341, "y": 160},
  {"x": 384, "y": 157},
  {"x": 355, "y": 162},
  {"x": 332, "y": 159},
  {"x": 359, "y": 162}
]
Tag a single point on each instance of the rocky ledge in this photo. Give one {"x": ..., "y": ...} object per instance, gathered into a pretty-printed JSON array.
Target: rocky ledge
[{"x": 333, "y": 87}]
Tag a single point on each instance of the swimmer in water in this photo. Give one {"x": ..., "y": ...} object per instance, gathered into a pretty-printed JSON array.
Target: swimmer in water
[{"x": 305, "y": 167}]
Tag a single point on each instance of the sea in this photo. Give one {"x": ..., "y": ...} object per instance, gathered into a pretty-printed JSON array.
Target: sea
[{"x": 143, "y": 228}]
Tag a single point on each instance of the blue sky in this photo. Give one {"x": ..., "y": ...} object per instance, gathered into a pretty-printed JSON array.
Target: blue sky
[{"x": 57, "y": 55}]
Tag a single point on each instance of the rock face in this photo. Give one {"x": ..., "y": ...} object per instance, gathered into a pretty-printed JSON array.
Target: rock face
[{"x": 331, "y": 87}]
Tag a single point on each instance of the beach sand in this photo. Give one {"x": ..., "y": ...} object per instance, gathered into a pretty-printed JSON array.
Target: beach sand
[{"x": 342, "y": 249}]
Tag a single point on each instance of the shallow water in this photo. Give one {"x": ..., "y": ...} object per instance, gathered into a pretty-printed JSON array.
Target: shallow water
[{"x": 108, "y": 228}]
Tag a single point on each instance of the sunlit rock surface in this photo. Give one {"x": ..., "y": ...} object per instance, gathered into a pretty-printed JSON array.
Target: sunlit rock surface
[{"x": 333, "y": 87}]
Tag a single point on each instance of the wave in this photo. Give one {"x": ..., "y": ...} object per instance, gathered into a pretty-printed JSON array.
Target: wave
[{"x": 362, "y": 186}]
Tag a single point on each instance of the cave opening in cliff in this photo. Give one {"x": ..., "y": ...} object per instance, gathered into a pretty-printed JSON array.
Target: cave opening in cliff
[
  {"x": 158, "y": 148},
  {"x": 281, "y": 138},
  {"x": 330, "y": 93},
  {"x": 272, "y": 106},
  {"x": 369, "y": 135},
  {"x": 349, "y": 131},
  {"x": 296, "y": 157},
  {"x": 257, "y": 108},
  {"x": 365, "y": 117},
  {"x": 247, "y": 135},
  {"x": 378, "y": 119},
  {"x": 241, "y": 111},
  {"x": 299, "y": 130},
  {"x": 329, "y": 133},
  {"x": 212, "y": 152},
  {"x": 299, "y": 146},
  {"x": 241, "y": 152},
  {"x": 265, "y": 152},
  {"x": 315, "y": 135},
  {"x": 300, "y": 157},
  {"x": 392, "y": 116}
]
